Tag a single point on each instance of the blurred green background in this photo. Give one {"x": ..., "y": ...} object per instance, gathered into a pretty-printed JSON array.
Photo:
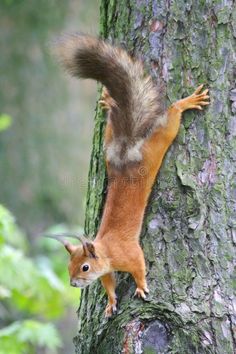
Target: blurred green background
[{"x": 46, "y": 124}]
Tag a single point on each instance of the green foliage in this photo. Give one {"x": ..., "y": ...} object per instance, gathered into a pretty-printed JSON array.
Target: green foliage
[
  {"x": 30, "y": 289},
  {"x": 22, "y": 336},
  {"x": 5, "y": 121},
  {"x": 43, "y": 162}
]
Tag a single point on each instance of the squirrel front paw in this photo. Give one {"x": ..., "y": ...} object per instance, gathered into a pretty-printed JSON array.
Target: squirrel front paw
[
  {"x": 111, "y": 309},
  {"x": 141, "y": 292}
]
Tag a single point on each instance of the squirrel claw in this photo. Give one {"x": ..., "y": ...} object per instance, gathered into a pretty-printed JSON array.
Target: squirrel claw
[
  {"x": 104, "y": 105},
  {"x": 198, "y": 89},
  {"x": 196, "y": 101},
  {"x": 141, "y": 292},
  {"x": 110, "y": 310},
  {"x": 106, "y": 102}
]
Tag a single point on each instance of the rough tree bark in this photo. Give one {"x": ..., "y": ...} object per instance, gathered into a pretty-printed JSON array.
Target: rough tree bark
[{"x": 188, "y": 234}]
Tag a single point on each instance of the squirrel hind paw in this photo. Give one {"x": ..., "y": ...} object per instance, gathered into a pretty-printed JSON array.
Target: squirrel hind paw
[
  {"x": 104, "y": 105},
  {"x": 106, "y": 102}
]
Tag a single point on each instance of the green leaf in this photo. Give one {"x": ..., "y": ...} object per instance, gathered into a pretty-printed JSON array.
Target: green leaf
[
  {"x": 31, "y": 289},
  {"x": 23, "y": 334},
  {"x": 5, "y": 121}
]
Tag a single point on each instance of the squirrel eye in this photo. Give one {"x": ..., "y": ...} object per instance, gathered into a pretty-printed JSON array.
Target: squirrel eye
[{"x": 85, "y": 267}]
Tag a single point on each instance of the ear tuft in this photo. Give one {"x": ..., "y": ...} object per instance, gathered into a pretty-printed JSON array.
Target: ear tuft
[
  {"x": 91, "y": 249},
  {"x": 68, "y": 246}
]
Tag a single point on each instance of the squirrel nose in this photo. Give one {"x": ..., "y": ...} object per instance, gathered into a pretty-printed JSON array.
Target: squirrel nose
[{"x": 73, "y": 282}]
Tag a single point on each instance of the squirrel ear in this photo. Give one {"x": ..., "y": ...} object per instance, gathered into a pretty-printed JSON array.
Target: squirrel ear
[{"x": 89, "y": 249}]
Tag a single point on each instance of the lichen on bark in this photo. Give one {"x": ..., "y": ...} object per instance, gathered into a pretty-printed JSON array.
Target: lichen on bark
[{"x": 188, "y": 233}]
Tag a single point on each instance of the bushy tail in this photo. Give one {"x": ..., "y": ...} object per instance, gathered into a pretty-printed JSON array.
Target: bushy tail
[{"x": 138, "y": 105}]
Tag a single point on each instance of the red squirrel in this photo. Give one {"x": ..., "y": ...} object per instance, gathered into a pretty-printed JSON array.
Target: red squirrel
[{"x": 138, "y": 133}]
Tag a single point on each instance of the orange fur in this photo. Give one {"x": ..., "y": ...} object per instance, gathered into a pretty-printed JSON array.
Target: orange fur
[
  {"x": 137, "y": 136},
  {"x": 116, "y": 245}
]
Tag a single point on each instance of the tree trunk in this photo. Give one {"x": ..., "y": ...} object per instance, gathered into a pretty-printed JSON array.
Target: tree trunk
[{"x": 188, "y": 233}]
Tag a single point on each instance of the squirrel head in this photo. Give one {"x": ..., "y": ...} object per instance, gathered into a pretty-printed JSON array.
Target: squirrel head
[{"x": 86, "y": 262}]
